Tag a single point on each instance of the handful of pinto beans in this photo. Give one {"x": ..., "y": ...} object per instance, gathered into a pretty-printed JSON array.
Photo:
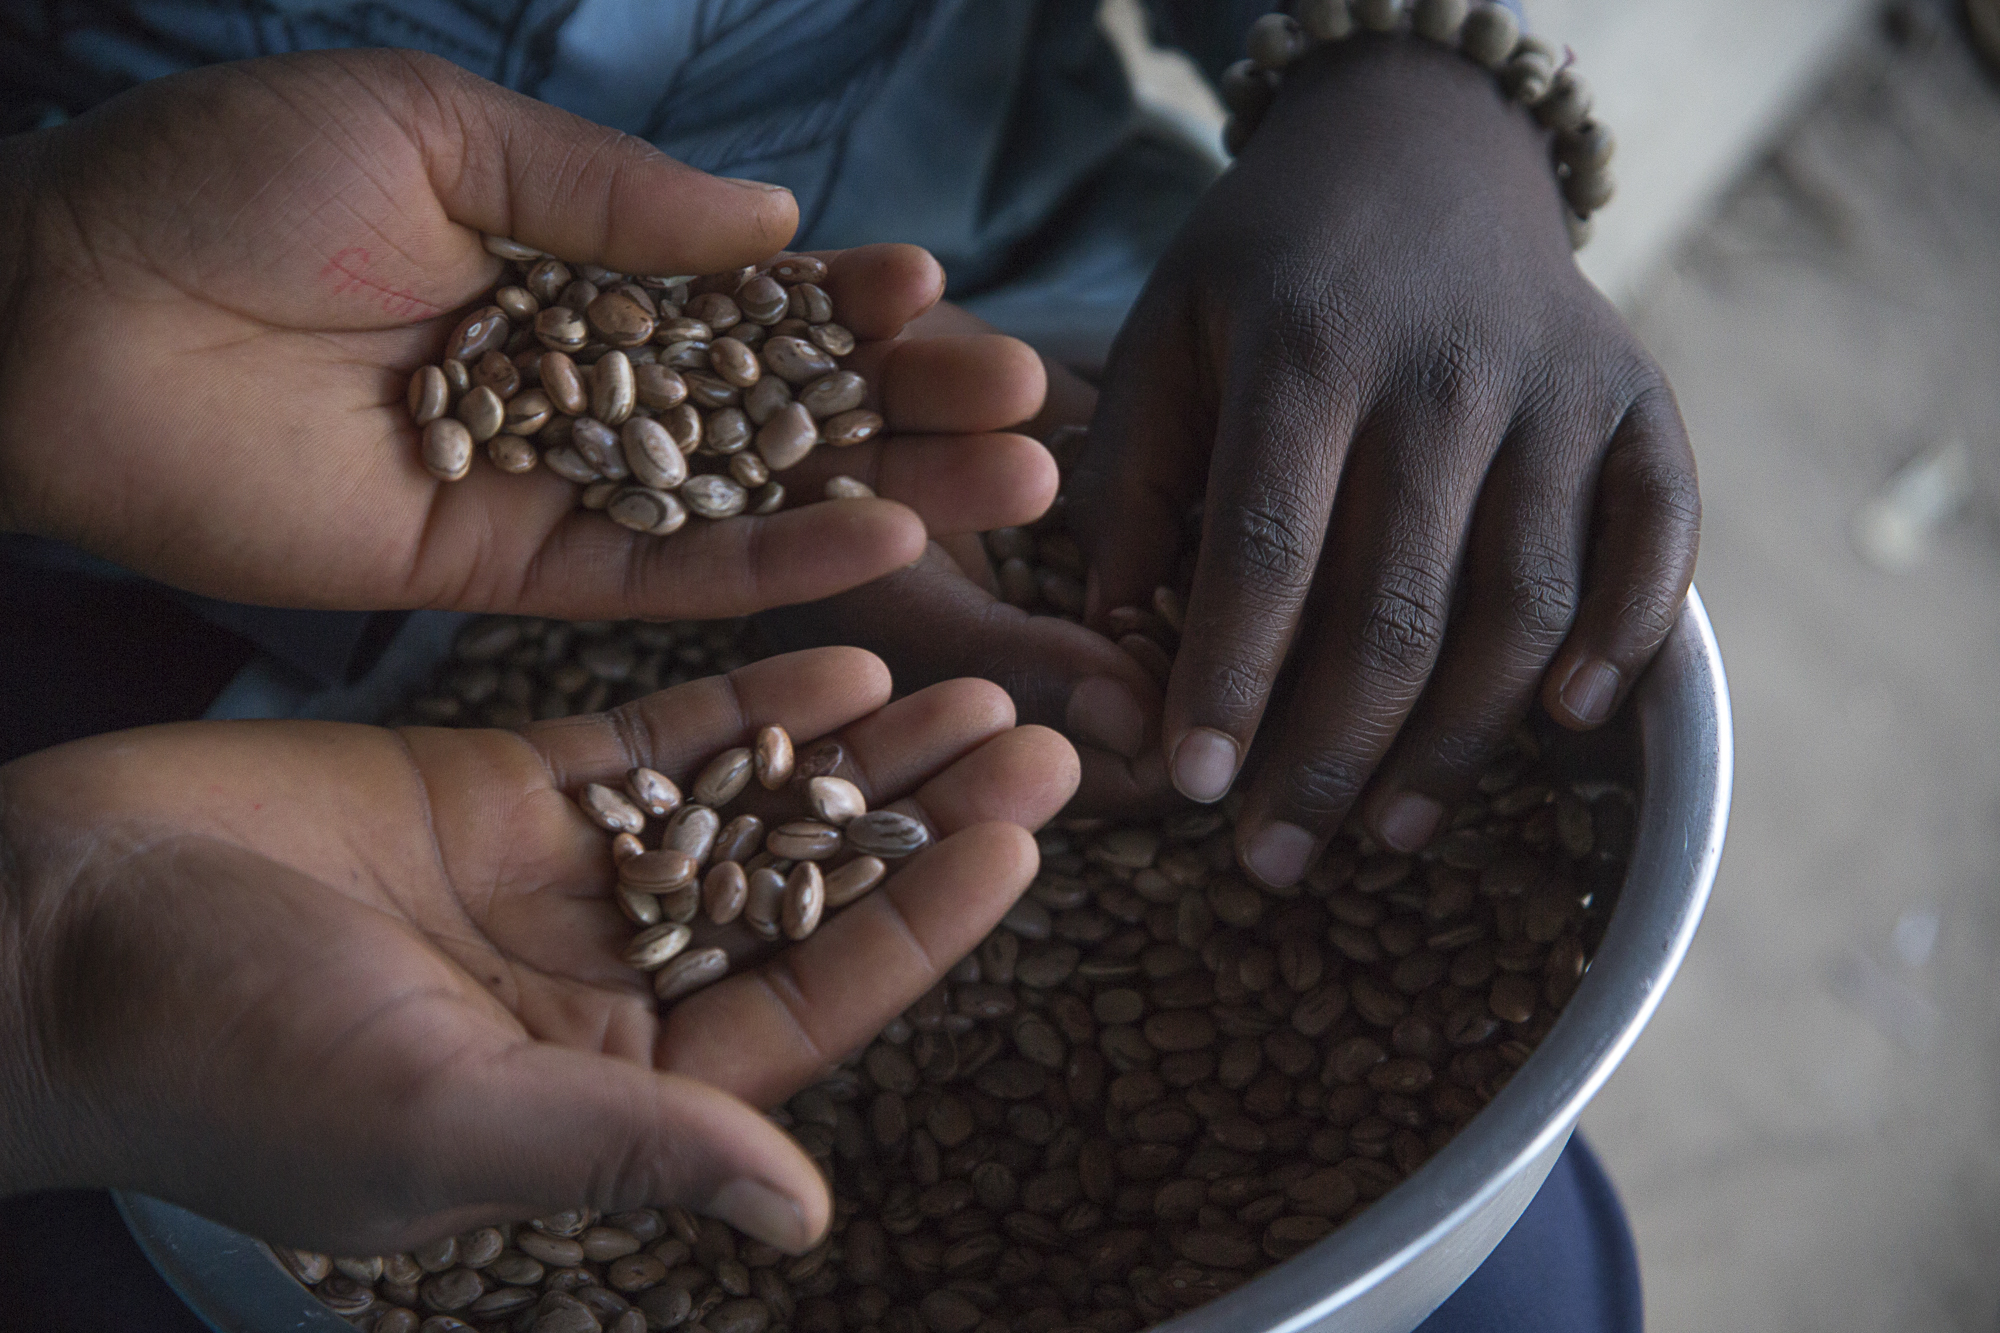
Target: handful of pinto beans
[{"x": 660, "y": 397}]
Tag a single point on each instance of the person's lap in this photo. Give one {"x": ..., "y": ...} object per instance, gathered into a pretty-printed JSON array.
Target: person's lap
[{"x": 1568, "y": 1266}]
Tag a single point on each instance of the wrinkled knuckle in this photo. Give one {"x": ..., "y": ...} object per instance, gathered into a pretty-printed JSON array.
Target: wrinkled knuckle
[
  {"x": 1647, "y": 613},
  {"x": 1272, "y": 550},
  {"x": 1541, "y": 597},
  {"x": 1403, "y": 626},
  {"x": 1322, "y": 786},
  {"x": 1455, "y": 374},
  {"x": 1236, "y": 685},
  {"x": 1668, "y": 489},
  {"x": 606, "y": 157},
  {"x": 1270, "y": 539},
  {"x": 1643, "y": 386},
  {"x": 1462, "y": 752}
]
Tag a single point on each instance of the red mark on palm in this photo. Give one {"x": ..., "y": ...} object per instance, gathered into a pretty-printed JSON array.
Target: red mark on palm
[{"x": 345, "y": 272}]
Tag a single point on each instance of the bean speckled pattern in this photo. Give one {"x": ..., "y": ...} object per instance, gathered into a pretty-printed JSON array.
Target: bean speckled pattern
[{"x": 666, "y": 381}]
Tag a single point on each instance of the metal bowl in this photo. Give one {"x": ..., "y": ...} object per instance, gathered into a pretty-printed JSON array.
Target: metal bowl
[{"x": 1387, "y": 1270}]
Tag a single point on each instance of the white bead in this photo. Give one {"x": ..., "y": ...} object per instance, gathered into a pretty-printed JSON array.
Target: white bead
[
  {"x": 1588, "y": 191},
  {"x": 1327, "y": 20},
  {"x": 1246, "y": 89},
  {"x": 1568, "y": 103},
  {"x": 1275, "y": 41},
  {"x": 1490, "y": 35},
  {"x": 1379, "y": 15},
  {"x": 1527, "y": 77},
  {"x": 1588, "y": 146},
  {"x": 1440, "y": 20}
]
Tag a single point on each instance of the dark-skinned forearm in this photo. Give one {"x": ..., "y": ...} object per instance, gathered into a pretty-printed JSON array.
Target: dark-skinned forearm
[{"x": 1352, "y": 110}]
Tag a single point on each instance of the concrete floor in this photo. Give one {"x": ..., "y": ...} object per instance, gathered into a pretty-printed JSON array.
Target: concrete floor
[{"x": 1808, "y": 1136}]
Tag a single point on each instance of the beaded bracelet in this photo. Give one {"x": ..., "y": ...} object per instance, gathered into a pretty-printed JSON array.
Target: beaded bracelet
[{"x": 1529, "y": 69}]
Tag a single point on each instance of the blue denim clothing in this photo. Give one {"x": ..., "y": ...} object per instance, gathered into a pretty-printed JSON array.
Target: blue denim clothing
[
  {"x": 1568, "y": 1265},
  {"x": 999, "y": 134}
]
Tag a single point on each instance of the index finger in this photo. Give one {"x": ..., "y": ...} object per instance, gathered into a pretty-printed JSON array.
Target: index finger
[{"x": 1280, "y": 443}]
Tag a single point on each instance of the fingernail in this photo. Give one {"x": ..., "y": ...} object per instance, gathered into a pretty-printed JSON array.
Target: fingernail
[
  {"x": 1279, "y": 854},
  {"x": 755, "y": 185},
  {"x": 1103, "y": 713},
  {"x": 1408, "y": 821},
  {"x": 1590, "y": 691},
  {"x": 755, "y": 1208},
  {"x": 1204, "y": 765}
]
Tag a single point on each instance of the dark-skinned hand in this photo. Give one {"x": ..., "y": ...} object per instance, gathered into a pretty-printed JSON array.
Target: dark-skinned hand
[{"x": 1442, "y": 479}]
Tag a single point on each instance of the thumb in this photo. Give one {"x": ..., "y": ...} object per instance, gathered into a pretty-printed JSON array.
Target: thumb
[
  {"x": 541, "y": 1128},
  {"x": 931, "y": 623},
  {"x": 512, "y": 166}
]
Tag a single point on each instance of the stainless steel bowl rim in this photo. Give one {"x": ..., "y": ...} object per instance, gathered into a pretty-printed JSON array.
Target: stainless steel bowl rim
[{"x": 1642, "y": 949}]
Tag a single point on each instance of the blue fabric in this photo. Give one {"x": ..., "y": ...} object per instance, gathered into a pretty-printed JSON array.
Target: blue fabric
[
  {"x": 964, "y": 126},
  {"x": 1568, "y": 1266},
  {"x": 999, "y": 134}
]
